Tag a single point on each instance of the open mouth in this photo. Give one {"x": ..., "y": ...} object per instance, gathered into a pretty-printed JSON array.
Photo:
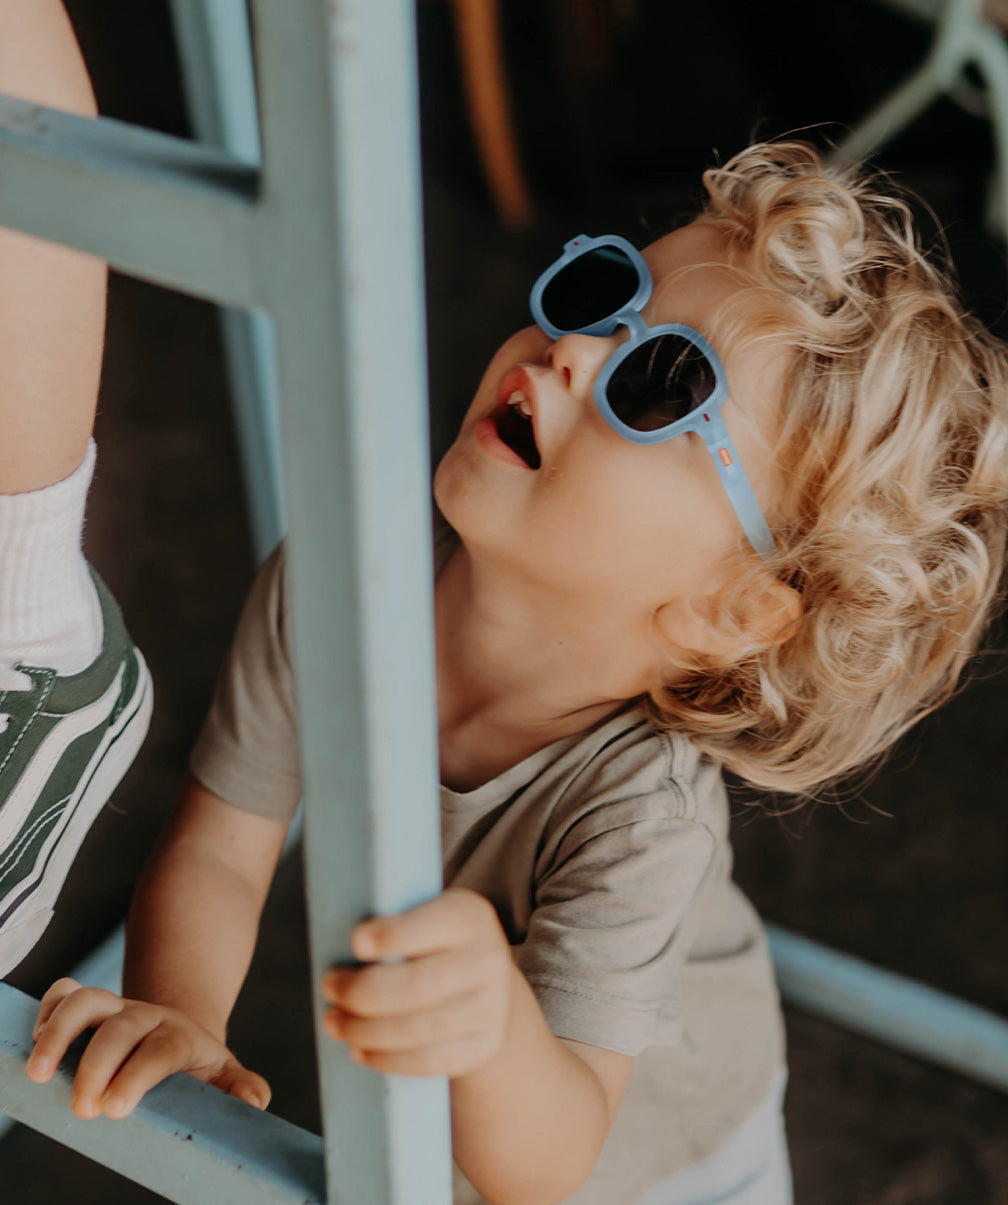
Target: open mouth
[{"x": 513, "y": 422}]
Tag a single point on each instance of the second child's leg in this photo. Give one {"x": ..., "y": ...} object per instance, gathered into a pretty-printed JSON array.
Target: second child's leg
[
  {"x": 52, "y": 298},
  {"x": 74, "y": 693}
]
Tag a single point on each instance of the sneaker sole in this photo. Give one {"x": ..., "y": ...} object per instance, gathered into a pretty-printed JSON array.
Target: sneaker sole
[{"x": 108, "y": 765}]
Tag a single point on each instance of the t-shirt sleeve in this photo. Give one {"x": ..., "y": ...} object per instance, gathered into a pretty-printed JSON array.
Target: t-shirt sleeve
[
  {"x": 613, "y": 920},
  {"x": 247, "y": 751}
]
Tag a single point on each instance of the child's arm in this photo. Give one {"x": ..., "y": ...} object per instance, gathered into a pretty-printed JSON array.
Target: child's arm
[
  {"x": 190, "y": 938},
  {"x": 195, "y": 913},
  {"x": 530, "y": 1112}
]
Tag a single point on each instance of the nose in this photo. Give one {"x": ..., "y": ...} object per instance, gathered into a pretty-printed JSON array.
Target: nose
[{"x": 579, "y": 358}]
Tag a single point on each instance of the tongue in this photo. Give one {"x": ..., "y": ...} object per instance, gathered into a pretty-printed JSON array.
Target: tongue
[{"x": 516, "y": 431}]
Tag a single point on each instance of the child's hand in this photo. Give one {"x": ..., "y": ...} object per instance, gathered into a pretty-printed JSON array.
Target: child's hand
[
  {"x": 443, "y": 1010},
  {"x": 110, "y": 1079}
]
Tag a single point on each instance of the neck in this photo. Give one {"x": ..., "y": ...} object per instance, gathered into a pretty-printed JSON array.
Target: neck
[{"x": 520, "y": 666}]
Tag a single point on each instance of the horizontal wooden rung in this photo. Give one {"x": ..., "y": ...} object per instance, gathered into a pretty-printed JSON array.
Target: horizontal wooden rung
[{"x": 162, "y": 208}]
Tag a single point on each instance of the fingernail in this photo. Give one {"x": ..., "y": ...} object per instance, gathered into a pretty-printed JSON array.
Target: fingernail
[
  {"x": 115, "y": 1106},
  {"x": 41, "y": 1065}
]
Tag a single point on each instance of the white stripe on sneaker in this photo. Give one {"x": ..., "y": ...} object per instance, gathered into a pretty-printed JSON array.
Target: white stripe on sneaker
[
  {"x": 36, "y": 774},
  {"x": 108, "y": 764}
]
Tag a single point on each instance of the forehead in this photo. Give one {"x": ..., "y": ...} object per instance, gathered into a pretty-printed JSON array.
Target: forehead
[
  {"x": 695, "y": 271},
  {"x": 701, "y": 280}
]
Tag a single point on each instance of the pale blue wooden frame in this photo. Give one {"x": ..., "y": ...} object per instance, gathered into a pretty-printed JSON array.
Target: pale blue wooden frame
[{"x": 215, "y": 52}]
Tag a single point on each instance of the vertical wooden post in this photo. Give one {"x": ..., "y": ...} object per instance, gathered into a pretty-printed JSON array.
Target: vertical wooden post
[{"x": 342, "y": 275}]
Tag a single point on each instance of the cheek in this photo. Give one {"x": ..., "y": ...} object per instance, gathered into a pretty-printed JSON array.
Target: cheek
[
  {"x": 603, "y": 515},
  {"x": 648, "y": 522}
]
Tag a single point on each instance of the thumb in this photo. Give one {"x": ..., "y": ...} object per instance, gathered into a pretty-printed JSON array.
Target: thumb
[{"x": 238, "y": 1081}]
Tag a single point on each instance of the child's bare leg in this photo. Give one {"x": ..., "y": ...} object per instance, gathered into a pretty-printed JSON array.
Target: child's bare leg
[
  {"x": 74, "y": 693},
  {"x": 52, "y": 298},
  {"x": 52, "y": 317}
]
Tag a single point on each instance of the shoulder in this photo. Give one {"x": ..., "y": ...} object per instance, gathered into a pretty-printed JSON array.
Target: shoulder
[
  {"x": 247, "y": 751},
  {"x": 628, "y": 765},
  {"x": 263, "y": 631},
  {"x": 269, "y": 590}
]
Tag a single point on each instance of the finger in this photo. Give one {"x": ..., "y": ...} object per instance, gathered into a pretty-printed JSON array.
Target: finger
[
  {"x": 116, "y": 1042},
  {"x": 58, "y": 992},
  {"x": 163, "y": 1051},
  {"x": 455, "y": 917},
  {"x": 388, "y": 989},
  {"x": 246, "y": 1085},
  {"x": 459, "y": 1019},
  {"x": 76, "y": 1012}
]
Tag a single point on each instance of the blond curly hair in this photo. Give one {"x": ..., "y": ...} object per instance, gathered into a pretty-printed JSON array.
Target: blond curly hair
[{"x": 893, "y": 450}]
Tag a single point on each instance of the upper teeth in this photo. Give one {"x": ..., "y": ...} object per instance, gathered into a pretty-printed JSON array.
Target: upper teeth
[{"x": 519, "y": 399}]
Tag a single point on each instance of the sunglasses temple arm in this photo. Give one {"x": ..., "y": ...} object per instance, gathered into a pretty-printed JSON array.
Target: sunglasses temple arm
[{"x": 737, "y": 487}]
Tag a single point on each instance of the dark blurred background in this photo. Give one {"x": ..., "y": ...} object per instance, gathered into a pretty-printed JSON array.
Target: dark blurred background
[{"x": 618, "y": 105}]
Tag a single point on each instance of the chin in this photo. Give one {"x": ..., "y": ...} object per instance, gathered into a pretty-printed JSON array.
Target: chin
[
  {"x": 441, "y": 484},
  {"x": 464, "y": 504},
  {"x": 452, "y": 491}
]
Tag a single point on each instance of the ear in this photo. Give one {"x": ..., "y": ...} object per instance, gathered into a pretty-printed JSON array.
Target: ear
[{"x": 727, "y": 623}]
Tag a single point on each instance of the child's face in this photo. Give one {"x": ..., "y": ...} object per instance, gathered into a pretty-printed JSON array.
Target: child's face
[{"x": 602, "y": 517}]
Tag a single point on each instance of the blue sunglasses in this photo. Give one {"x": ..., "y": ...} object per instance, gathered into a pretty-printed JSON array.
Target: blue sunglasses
[{"x": 663, "y": 380}]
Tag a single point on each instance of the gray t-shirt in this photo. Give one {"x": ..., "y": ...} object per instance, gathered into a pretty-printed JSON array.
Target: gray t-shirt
[{"x": 606, "y": 856}]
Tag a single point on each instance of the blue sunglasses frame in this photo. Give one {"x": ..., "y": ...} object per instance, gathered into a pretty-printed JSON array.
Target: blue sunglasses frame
[{"x": 706, "y": 420}]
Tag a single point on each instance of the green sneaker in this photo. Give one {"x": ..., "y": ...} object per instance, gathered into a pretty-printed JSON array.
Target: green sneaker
[{"x": 68, "y": 742}]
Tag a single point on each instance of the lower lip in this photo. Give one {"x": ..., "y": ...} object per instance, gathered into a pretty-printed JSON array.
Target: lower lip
[{"x": 486, "y": 436}]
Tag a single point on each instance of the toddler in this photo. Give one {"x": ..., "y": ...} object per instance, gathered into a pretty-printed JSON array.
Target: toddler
[{"x": 738, "y": 500}]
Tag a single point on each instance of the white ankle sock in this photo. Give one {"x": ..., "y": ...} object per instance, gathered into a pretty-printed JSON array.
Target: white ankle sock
[{"x": 49, "y": 610}]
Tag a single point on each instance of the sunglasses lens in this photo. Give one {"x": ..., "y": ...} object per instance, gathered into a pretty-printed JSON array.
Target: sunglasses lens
[
  {"x": 660, "y": 382},
  {"x": 590, "y": 288}
]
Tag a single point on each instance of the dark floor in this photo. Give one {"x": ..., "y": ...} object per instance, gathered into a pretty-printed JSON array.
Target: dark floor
[{"x": 908, "y": 872}]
